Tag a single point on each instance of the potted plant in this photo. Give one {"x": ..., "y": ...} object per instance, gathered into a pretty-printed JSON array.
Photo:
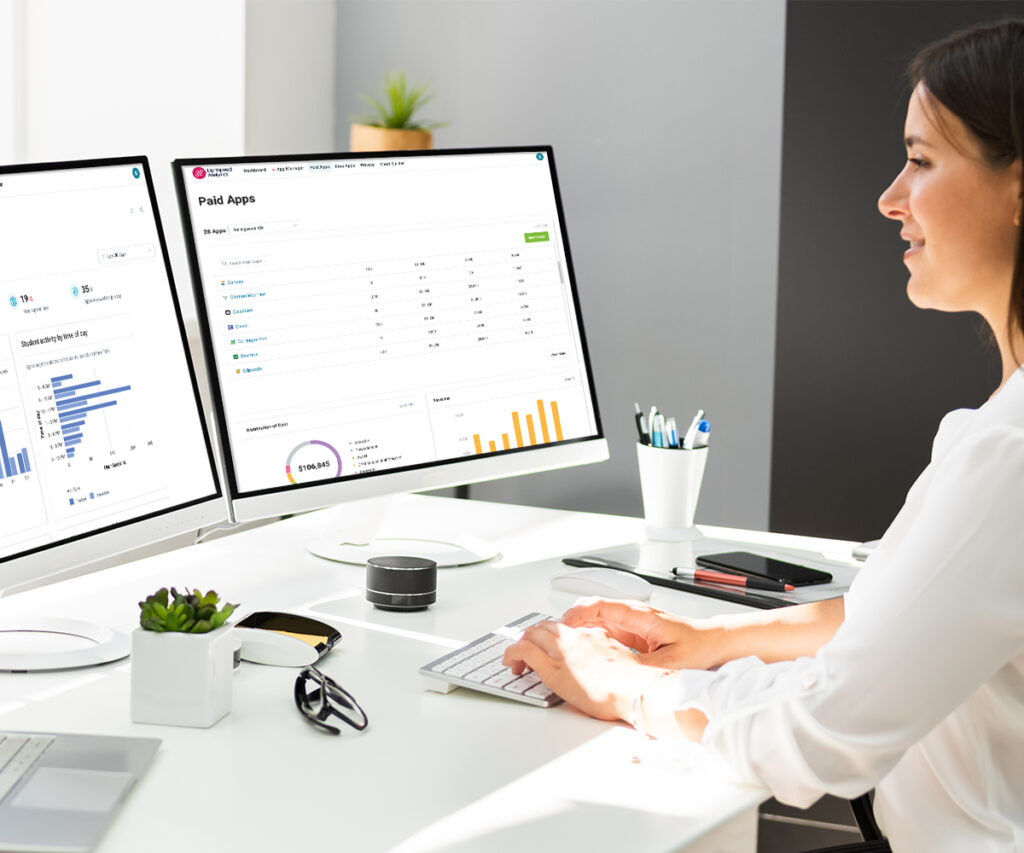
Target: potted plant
[
  {"x": 393, "y": 127},
  {"x": 182, "y": 659}
]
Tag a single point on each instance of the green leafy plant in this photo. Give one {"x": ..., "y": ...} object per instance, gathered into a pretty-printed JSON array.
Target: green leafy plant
[
  {"x": 190, "y": 612},
  {"x": 401, "y": 103}
]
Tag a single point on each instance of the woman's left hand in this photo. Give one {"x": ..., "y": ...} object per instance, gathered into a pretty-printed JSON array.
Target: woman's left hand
[{"x": 584, "y": 666}]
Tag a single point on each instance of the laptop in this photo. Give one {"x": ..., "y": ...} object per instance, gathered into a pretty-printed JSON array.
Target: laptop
[{"x": 60, "y": 792}]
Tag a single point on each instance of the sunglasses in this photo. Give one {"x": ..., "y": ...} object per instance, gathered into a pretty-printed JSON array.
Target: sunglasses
[{"x": 319, "y": 698}]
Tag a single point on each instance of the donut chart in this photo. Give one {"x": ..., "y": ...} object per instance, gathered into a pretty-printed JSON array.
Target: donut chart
[{"x": 312, "y": 460}]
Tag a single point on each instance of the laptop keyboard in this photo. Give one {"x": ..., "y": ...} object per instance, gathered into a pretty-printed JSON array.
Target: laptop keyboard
[
  {"x": 477, "y": 665},
  {"x": 19, "y": 754}
]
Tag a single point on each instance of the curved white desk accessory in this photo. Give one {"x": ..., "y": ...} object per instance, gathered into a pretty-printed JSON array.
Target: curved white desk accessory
[{"x": 107, "y": 645}]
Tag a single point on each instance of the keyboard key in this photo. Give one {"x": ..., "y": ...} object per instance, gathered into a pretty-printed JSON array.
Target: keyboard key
[
  {"x": 523, "y": 683},
  {"x": 540, "y": 691}
]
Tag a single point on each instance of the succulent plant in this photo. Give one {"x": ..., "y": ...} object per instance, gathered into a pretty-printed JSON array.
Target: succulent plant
[{"x": 189, "y": 612}]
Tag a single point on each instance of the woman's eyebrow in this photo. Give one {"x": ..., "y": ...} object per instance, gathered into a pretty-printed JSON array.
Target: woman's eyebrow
[{"x": 913, "y": 140}]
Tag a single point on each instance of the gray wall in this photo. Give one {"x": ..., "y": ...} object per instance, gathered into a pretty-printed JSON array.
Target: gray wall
[{"x": 665, "y": 119}]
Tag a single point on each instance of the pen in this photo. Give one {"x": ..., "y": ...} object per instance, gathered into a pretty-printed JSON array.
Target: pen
[
  {"x": 692, "y": 431},
  {"x": 658, "y": 431},
  {"x": 748, "y": 581},
  {"x": 702, "y": 436},
  {"x": 641, "y": 426},
  {"x": 672, "y": 433},
  {"x": 762, "y": 602}
]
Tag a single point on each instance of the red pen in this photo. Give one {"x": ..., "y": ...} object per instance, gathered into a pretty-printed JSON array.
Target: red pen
[{"x": 708, "y": 576}]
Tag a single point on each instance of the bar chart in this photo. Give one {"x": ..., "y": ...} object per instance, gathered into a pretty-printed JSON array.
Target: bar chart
[
  {"x": 75, "y": 401},
  {"x": 526, "y": 432},
  {"x": 12, "y": 465}
]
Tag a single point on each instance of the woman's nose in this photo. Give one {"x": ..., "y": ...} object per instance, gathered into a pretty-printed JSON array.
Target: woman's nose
[{"x": 892, "y": 203}]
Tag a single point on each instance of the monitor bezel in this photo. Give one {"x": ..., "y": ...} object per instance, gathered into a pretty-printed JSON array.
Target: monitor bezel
[
  {"x": 263, "y": 503},
  {"x": 73, "y": 555}
]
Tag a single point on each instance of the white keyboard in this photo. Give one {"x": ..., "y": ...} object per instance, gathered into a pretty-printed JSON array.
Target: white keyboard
[
  {"x": 477, "y": 665},
  {"x": 18, "y": 755}
]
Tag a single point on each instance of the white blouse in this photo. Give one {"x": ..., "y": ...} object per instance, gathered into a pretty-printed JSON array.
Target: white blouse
[{"x": 920, "y": 693}]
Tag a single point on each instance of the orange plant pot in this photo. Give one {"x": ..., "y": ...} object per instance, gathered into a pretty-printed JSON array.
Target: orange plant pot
[{"x": 364, "y": 137}]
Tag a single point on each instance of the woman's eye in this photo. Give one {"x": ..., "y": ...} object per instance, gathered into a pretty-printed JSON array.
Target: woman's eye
[{"x": 918, "y": 162}]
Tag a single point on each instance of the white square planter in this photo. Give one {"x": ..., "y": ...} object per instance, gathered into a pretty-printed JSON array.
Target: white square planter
[{"x": 181, "y": 679}]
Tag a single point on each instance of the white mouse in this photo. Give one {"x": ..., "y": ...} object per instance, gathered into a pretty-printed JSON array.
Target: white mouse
[
  {"x": 608, "y": 583},
  {"x": 274, "y": 648}
]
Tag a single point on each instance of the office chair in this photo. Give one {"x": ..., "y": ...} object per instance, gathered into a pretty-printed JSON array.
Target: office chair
[{"x": 864, "y": 815}]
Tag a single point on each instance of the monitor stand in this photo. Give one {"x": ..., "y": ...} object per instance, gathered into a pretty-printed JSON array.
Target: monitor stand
[{"x": 360, "y": 535}]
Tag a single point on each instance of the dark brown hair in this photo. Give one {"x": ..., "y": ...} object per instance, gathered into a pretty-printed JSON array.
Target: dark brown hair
[{"x": 978, "y": 75}]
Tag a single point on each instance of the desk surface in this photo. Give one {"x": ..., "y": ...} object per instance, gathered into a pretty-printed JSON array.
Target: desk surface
[{"x": 462, "y": 771}]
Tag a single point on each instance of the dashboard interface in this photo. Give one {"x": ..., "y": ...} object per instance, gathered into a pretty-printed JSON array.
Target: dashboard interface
[
  {"x": 373, "y": 313},
  {"x": 100, "y": 422}
]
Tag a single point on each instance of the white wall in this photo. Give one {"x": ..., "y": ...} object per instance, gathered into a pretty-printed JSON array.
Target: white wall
[
  {"x": 289, "y": 76},
  {"x": 12, "y": 79},
  {"x": 107, "y": 78}
]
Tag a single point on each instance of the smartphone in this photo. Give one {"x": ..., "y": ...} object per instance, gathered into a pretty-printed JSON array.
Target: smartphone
[{"x": 763, "y": 567}]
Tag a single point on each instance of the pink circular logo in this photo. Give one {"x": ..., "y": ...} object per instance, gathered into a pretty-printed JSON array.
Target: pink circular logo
[{"x": 199, "y": 172}]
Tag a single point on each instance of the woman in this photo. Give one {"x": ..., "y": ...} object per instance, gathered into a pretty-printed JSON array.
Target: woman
[{"x": 914, "y": 683}]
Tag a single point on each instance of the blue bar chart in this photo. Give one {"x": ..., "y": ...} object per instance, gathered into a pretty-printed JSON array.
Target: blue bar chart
[
  {"x": 12, "y": 465},
  {"x": 75, "y": 401}
]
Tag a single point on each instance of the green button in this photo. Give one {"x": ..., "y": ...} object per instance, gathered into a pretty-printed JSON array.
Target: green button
[{"x": 537, "y": 237}]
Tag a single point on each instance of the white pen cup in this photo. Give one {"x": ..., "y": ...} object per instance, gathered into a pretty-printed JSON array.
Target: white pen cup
[{"x": 670, "y": 480}]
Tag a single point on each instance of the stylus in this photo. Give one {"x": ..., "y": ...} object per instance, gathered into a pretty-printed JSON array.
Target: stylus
[
  {"x": 751, "y": 599},
  {"x": 749, "y": 581}
]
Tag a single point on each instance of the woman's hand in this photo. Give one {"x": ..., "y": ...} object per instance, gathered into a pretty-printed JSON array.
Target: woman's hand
[
  {"x": 585, "y": 666},
  {"x": 661, "y": 639}
]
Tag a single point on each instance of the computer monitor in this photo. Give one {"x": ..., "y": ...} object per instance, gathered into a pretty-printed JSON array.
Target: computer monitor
[
  {"x": 381, "y": 323},
  {"x": 103, "y": 443}
]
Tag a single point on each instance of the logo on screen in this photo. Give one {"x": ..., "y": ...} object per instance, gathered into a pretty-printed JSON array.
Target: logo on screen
[{"x": 199, "y": 173}]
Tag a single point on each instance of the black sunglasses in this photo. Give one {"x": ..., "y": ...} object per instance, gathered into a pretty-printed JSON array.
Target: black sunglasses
[{"x": 326, "y": 699}]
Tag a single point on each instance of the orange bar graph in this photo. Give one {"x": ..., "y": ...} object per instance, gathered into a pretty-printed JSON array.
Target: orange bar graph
[
  {"x": 543, "y": 421},
  {"x": 532, "y": 431},
  {"x": 558, "y": 423}
]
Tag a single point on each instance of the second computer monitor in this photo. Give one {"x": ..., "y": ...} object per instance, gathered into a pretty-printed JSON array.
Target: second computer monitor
[{"x": 387, "y": 322}]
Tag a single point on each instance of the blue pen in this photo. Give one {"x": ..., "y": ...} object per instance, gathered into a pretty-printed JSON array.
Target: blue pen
[
  {"x": 658, "y": 431},
  {"x": 703, "y": 435},
  {"x": 673, "y": 432}
]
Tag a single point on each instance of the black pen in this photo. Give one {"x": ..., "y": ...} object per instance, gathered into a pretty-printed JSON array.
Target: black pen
[
  {"x": 762, "y": 602},
  {"x": 641, "y": 426}
]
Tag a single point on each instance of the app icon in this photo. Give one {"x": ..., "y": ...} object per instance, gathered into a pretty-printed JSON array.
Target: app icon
[
  {"x": 136, "y": 172},
  {"x": 540, "y": 155},
  {"x": 199, "y": 173}
]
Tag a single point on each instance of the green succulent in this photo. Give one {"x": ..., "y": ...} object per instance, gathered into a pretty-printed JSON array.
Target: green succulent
[
  {"x": 190, "y": 612},
  {"x": 402, "y": 103}
]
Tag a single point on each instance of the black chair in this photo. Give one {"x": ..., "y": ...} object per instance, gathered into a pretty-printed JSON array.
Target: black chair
[{"x": 874, "y": 841}]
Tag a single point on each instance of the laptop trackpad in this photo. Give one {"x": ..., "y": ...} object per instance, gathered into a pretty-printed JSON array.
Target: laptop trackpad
[{"x": 73, "y": 790}]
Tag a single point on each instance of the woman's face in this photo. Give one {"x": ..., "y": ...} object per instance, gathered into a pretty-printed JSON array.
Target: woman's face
[{"x": 960, "y": 216}]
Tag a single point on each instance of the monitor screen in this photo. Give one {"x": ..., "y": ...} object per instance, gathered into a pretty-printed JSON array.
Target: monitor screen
[
  {"x": 387, "y": 322},
  {"x": 103, "y": 444}
]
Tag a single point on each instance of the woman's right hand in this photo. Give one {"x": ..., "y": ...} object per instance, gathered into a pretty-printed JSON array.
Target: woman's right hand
[{"x": 661, "y": 639}]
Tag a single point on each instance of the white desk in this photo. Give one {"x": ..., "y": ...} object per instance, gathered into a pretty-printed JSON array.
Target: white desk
[{"x": 462, "y": 771}]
